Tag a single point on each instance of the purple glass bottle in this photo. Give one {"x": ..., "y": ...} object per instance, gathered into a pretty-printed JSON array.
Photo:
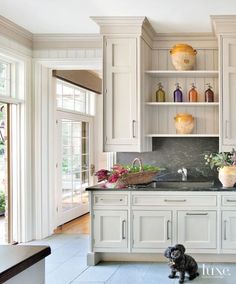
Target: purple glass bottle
[{"x": 178, "y": 95}]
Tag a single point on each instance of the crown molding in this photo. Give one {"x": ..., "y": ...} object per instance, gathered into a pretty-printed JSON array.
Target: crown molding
[
  {"x": 15, "y": 32},
  {"x": 124, "y": 25},
  {"x": 223, "y": 24},
  {"x": 42, "y": 41}
]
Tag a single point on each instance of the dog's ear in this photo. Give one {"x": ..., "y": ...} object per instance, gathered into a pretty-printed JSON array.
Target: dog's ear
[
  {"x": 167, "y": 252},
  {"x": 180, "y": 248}
]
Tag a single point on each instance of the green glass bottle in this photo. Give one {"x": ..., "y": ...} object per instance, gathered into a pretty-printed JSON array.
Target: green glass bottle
[{"x": 160, "y": 94}]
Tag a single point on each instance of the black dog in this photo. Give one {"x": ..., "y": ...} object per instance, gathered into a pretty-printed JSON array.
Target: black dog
[{"x": 181, "y": 262}]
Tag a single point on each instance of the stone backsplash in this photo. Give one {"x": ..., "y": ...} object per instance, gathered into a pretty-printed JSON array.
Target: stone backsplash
[{"x": 174, "y": 153}]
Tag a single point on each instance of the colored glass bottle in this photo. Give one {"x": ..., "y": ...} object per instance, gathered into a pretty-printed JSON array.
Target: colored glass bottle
[
  {"x": 209, "y": 94},
  {"x": 160, "y": 93},
  {"x": 178, "y": 95},
  {"x": 192, "y": 94}
]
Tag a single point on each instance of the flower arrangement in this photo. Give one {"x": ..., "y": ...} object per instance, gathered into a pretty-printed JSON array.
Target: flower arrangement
[
  {"x": 111, "y": 176},
  {"x": 117, "y": 176},
  {"x": 220, "y": 160}
]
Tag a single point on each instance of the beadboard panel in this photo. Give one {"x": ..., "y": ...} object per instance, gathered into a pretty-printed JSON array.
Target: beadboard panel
[
  {"x": 68, "y": 53},
  {"x": 161, "y": 119}
]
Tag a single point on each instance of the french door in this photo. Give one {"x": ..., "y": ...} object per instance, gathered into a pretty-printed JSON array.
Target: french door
[{"x": 75, "y": 164}]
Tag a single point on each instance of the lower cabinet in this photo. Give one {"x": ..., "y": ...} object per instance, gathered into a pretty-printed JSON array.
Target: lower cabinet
[
  {"x": 110, "y": 229},
  {"x": 197, "y": 229},
  {"x": 152, "y": 229},
  {"x": 228, "y": 229}
]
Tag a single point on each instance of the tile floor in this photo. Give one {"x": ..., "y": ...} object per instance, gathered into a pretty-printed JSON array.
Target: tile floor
[{"x": 67, "y": 264}]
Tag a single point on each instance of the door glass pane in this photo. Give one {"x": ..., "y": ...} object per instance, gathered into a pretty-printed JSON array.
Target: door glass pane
[
  {"x": 75, "y": 163},
  {"x": 3, "y": 174}
]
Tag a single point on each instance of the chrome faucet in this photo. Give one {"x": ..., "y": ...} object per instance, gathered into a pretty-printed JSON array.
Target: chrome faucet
[{"x": 184, "y": 173}]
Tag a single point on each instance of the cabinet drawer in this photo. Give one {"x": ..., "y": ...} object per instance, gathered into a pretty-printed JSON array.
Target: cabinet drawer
[
  {"x": 228, "y": 200},
  {"x": 110, "y": 199},
  {"x": 141, "y": 200}
]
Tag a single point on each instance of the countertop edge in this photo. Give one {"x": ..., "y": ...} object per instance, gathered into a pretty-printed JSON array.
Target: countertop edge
[{"x": 23, "y": 265}]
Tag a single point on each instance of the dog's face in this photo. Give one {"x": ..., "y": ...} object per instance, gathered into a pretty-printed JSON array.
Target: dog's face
[{"x": 175, "y": 252}]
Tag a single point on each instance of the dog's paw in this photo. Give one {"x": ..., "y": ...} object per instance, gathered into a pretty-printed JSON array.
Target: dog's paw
[
  {"x": 191, "y": 277},
  {"x": 181, "y": 281},
  {"x": 171, "y": 276}
]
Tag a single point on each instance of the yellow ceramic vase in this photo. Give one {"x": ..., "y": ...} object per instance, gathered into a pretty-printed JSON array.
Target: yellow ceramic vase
[
  {"x": 184, "y": 123},
  {"x": 183, "y": 56},
  {"x": 227, "y": 176}
]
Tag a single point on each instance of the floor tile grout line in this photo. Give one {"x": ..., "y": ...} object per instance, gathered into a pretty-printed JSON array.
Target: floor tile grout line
[
  {"x": 86, "y": 268},
  {"x": 113, "y": 273}
]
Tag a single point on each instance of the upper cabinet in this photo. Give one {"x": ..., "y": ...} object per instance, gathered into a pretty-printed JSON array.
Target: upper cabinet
[
  {"x": 136, "y": 59},
  {"x": 225, "y": 28},
  {"x": 120, "y": 94}
]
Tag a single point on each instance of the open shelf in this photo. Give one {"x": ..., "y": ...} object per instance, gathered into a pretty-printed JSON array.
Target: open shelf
[
  {"x": 183, "y": 74},
  {"x": 182, "y": 104},
  {"x": 182, "y": 135}
]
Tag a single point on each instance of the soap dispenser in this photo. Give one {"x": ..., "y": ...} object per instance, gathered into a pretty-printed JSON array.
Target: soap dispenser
[
  {"x": 160, "y": 93},
  {"x": 178, "y": 95},
  {"x": 192, "y": 94},
  {"x": 209, "y": 94}
]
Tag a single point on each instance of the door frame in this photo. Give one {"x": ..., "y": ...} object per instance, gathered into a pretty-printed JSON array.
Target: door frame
[{"x": 61, "y": 114}]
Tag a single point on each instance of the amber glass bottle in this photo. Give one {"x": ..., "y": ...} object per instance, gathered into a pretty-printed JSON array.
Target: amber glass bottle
[
  {"x": 192, "y": 94},
  {"x": 209, "y": 94},
  {"x": 160, "y": 94}
]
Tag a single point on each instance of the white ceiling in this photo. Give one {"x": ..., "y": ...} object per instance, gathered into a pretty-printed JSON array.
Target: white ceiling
[{"x": 72, "y": 16}]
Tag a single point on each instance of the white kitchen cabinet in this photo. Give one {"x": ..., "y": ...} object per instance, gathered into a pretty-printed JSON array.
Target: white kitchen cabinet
[
  {"x": 228, "y": 230},
  {"x": 120, "y": 94},
  {"x": 228, "y": 118},
  {"x": 110, "y": 229},
  {"x": 197, "y": 229},
  {"x": 152, "y": 229}
]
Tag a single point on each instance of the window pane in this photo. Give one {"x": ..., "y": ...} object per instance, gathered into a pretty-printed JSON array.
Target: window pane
[
  {"x": 4, "y": 79},
  {"x": 74, "y": 98}
]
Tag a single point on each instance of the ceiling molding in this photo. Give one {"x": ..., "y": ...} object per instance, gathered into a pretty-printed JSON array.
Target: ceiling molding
[
  {"x": 15, "y": 32},
  {"x": 223, "y": 24},
  {"x": 42, "y": 41}
]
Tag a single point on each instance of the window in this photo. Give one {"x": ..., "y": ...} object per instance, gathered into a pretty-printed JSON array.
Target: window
[
  {"x": 5, "y": 79},
  {"x": 75, "y": 98}
]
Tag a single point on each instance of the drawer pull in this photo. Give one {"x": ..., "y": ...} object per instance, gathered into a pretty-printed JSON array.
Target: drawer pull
[
  {"x": 168, "y": 230},
  {"x": 175, "y": 200},
  {"x": 123, "y": 229},
  {"x": 110, "y": 199},
  {"x": 231, "y": 200},
  {"x": 133, "y": 128},
  {"x": 225, "y": 236},
  {"x": 197, "y": 214}
]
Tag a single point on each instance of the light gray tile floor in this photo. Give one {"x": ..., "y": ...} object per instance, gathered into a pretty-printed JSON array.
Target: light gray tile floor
[{"x": 67, "y": 264}]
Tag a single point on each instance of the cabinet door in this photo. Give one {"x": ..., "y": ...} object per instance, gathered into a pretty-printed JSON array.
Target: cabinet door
[
  {"x": 228, "y": 129},
  {"x": 110, "y": 229},
  {"x": 197, "y": 229},
  {"x": 228, "y": 230},
  {"x": 152, "y": 229},
  {"x": 120, "y": 94}
]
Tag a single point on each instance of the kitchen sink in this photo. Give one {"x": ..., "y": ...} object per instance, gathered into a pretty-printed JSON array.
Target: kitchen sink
[{"x": 181, "y": 184}]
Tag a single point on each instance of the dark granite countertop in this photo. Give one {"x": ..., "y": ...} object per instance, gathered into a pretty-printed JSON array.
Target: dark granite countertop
[
  {"x": 216, "y": 187},
  {"x": 17, "y": 258}
]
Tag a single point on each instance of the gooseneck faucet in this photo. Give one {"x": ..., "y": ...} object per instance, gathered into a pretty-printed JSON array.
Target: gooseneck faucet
[{"x": 184, "y": 173}]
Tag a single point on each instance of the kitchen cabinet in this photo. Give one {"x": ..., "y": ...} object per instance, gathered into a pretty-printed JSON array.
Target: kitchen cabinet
[
  {"x": 110, "y": 229},
  {"x": 197, "y": 229},
  {"x": 228, "y": 119},
  {"x": 229, "y": 229},
  {"x": 152, "y": 229},
  {"x": 120, "y": 94},
  {"x": 140, "y": 224}
]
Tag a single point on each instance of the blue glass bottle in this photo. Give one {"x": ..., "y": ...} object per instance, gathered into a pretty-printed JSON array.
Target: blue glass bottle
[{"x": 178, "y": 95}]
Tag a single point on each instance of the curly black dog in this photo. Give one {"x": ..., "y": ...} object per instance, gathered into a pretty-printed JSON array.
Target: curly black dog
[{"x": 181, "y": 262}]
